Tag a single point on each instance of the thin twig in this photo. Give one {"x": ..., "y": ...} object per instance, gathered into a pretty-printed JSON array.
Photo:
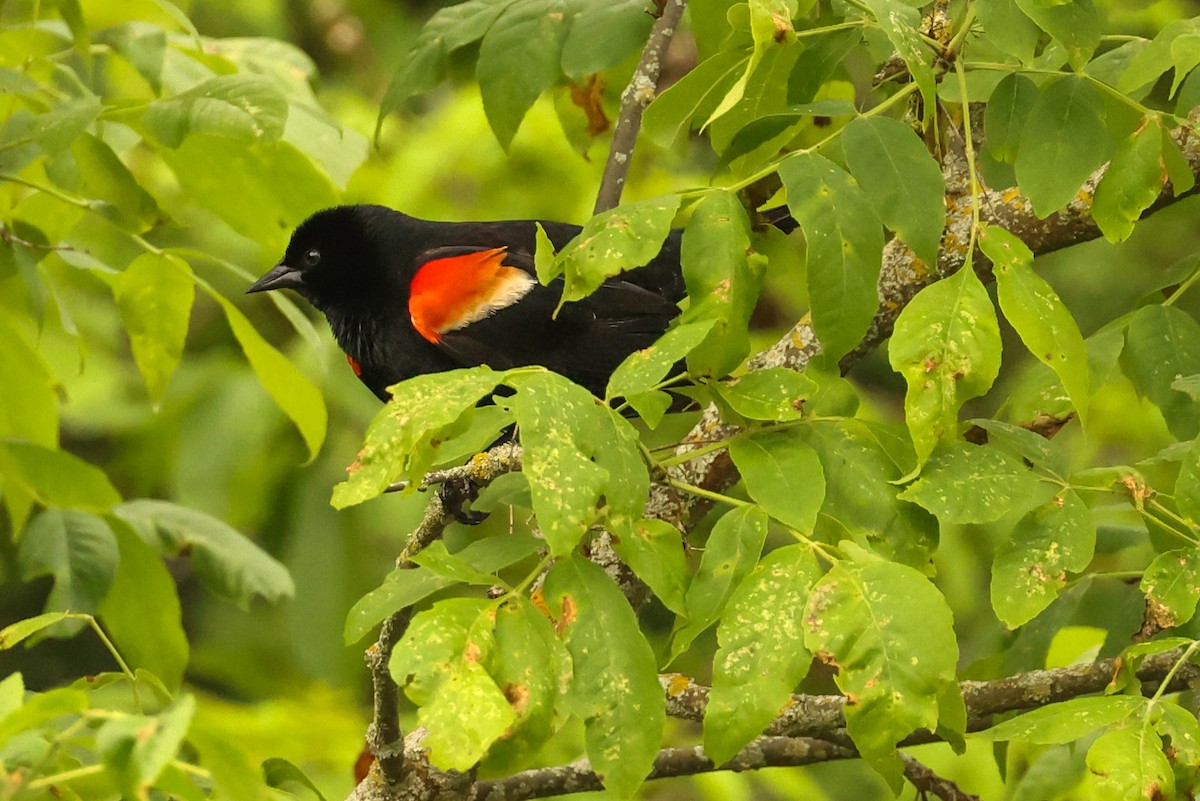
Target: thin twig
[
  {"x": 637, "y": 95},
  {"x": 928, "y": 782}
]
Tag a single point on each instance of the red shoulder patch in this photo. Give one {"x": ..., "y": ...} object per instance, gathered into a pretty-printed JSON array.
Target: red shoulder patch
[
  {"x": 354, "y": 365},
  {"x": 451, "y": 293}
]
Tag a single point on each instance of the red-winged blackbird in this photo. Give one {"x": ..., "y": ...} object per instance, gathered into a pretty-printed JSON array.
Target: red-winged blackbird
[{"x": 406, "y": 296}]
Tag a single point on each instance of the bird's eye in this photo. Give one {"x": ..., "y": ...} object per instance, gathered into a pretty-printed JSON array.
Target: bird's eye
[{"x": 312, "y": 258}]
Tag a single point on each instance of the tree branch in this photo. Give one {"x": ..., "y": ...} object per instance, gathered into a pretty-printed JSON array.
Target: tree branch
[{"x": 637, "y": 95}]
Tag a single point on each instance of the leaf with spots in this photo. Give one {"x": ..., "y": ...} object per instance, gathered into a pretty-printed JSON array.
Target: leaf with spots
[
  {"x": 1038, "y": 314},
  {"x": 783, "y": 474},
  {"x": 403, "y": 439},
  {"x": 644, "y": 369},
  {"x": 891, "y": 636},
  {"x": 532, "y": 668},
  {"x": 947, "y": 346},
  {"x": 654, "y": 551},
  {"x": 902, "y": 25},
  {"x": 1129, "y": 764},
  {"x": 576, "y": 451},
  {"x": 762, "y": 656},
  {"x": 844, "y": 244},
  {"x": 966, "y": 483},
  {"x": 775, "y": 394},
  {"x": 1171, "y": 584},
  {"x": 1065, "y": 721},
  {"x": 1187, "y": 485},
  {"x": 1031, "y": 566},
  {"x": 615, "y": 689},
  {"x": 440, "y": 664}
]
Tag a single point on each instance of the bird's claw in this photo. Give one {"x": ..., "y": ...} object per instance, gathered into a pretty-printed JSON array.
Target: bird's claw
[{"x": 457, "y": 494}]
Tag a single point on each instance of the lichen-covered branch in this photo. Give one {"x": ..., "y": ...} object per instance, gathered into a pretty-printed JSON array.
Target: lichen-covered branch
[
  {"x": 902, "y": 276},
  {"x": 637, "y": 95}
]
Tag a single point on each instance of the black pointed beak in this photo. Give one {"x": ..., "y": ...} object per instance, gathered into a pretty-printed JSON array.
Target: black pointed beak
[{"x": 279, "y": 277}]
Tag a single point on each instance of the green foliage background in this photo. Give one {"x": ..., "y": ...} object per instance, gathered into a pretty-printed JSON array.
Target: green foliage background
[{"x": 133, "y": 189}]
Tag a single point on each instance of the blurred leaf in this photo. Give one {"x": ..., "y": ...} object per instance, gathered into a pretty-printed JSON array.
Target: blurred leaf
[
  {"x": 654, "y": 551},
  {"x": 56, "y": 478},
  {"x": 644, "y": 369},
  {"x": 722, "y": 282},
  {"x": 964, "y": 483},
  {"x": 946, "y": 344},
  {"x": 155, "y": 295},
  {"x": 105, "y": 177},
  {"x": 1065, "y": 721},
  {"x": 783, "y": 474},
  {"x": 78, "y": 550},
  {"x": 576, "y": 450},
  {"x": 137, "y": 748},
  {"x": 1031, "y": 567},
  {"x": 1038, "y": 314},
  {"x": 29, "y": 405},
  {"x": 1161, "y": 344},
  {"x": 1062, "y": 142},
  {"x": 894, "y": 667},
  {"x": 233, "y": 776},
  {"x": 225, "y": 561},
  {"x": 1006, "y": 113},
  {"x": 844, "y": 244},
  {"x": 603, "y": 35},
  {"x": 242, "y": 107},
  {"x": 614, "y": 241},
  {"x": 761, "y": 657},
  {"x": 900, "y": 179},
  {"x": 1073, "y": 23},
  {"x": 142, "y": 612},
  {"x": 404, "y": 438},
  {"x": 279, "y": 773},
  {"x": 16, "y": 632},
  {"x": 729, "y": 555},
  {"x": 775, "y": 394},
  {"x": 1171, "y": 583},
  {"x": 1009, "y": 29},
  {"x": 675, "y": 111},
  {"x": 615, "y": 690},
  {"x": 519, "y": 58}
]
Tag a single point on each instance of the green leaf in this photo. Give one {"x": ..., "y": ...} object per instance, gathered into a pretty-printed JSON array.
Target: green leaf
[
  {"x": 242, "y": 107},
  {"x": 56, "y": 478},
  {"x": 1160, "y": 55},
  {"x": 1066, "y": 721},
  {"x": 296, "y": 396},
  {"x": 576, "y": 451},
  {"x": 75, "y": 548},
  {"x": 1009, "y": 29},
  {"x": 844, "y": 244},
  {"x": 28, "y": 405},
  {"x": 964, "y": 483},
  {"x": 142, "y": 613},
  {"x": 894, "y": 667},
  {"x": 1129, "y": 764},
  {"x": 818, "y": 62},
  {"x": 533, "y": 668},
  {"x": 433, "y": 641},
  {"x": 644, "y": 369},
  {"x": 519, "y": 58},
  {"x": 654, "y": 551},
  {"x": 1131, "y": 183},
  {"x": 615, "y": 690},
  {"x": 1005, "y": 115},
  {"x": 155, "y": 295},
  {"x": 279, "y": 773},
  {"x": 405, "y": 587},
  {"x": 225, "y": 561},
  {"x": 1031, "y": 567},
  {"x": 900, "y": 179},
  {"x": 16, "y": 632},
  {"x": 946, "y": 344},
  {"x": 404, "y": 439},
  {"x": 136, "y": 749},
  {"x": 104, "y": 177},
  {"x": 1161, "y": 344},
  {"x": 902, "y": 25},
  {"x": 1171, "y": 584},
  {"x": 771, "y": 30},
  {"x": 467, "y": 715},
  {"x": 1074, "y": 24},
  {"x": 1038, "y": 314},
  {"x": 620, "y": 239},
  {"x": 722, "y": 282},
  {"x": 692, "y": 97},
  {"x": 1178, "y": 171},
  {"x": 233, "y": 776},
  {"x": 603, "y": 35},
  {"x": 1187, "y": 485},
  {"x": 775, "y": 394},
  {"x": 1062, "y": 143},
  {"x": 783, "y": 474},
  {"x": 761, "y": 657},
  {"x": 731, "y": 552}
]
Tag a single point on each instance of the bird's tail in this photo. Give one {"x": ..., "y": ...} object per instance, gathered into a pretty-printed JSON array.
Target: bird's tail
[{"x": 781, "y": 218}]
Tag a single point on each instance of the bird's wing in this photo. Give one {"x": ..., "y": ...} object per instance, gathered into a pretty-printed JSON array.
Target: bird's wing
[{"x": 484, "y": 306}]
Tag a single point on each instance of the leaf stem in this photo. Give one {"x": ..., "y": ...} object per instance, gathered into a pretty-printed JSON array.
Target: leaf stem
[
  {"x": 709, "y": 494},
  {"x": 112, "y": 649}
]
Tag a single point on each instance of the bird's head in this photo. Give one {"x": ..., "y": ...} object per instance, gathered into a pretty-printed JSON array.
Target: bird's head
[{"x": 336, "y": 255}]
